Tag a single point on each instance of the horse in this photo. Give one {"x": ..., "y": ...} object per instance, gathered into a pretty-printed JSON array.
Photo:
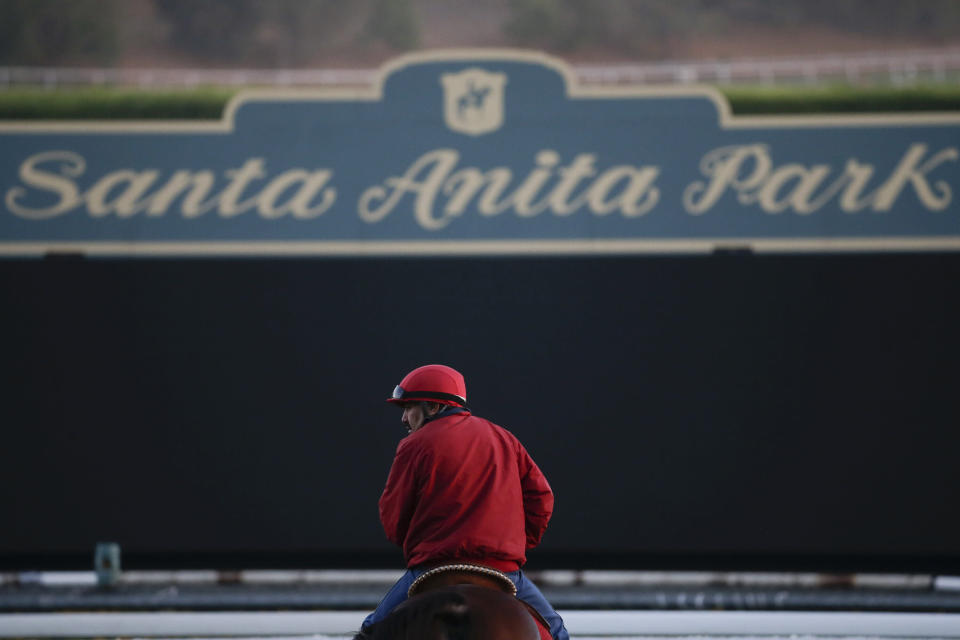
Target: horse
[{"x": 460, "y": 602}]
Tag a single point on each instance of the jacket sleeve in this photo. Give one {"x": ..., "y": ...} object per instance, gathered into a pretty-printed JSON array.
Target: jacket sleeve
[
  {"x": 399, "y": 497},
  {"x": 537, "y": 499}
]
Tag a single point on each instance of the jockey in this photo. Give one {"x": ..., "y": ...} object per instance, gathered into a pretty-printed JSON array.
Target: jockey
[{"x": 461, "y": 490}]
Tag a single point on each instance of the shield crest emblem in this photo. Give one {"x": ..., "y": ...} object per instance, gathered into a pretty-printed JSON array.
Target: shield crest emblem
[{"x": 473, "y": 101}]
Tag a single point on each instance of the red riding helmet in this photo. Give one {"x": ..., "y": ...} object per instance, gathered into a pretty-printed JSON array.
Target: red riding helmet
[{"x": 432, "y": 383}]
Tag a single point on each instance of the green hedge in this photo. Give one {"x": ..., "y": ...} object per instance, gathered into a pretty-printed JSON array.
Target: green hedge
[
  {"x": 113, "y": 104},
  {"x": 842, "y": 99},
  {"x": 208, "y": 103}
]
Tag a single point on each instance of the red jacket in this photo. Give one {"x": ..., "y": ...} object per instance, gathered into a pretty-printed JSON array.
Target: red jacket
[{"x": 462, "y": 489}]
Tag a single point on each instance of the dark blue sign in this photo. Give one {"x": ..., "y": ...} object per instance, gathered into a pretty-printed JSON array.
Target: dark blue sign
[{"x": 481, "y": 153}]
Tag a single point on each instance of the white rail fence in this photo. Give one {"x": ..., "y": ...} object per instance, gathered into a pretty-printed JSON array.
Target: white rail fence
[
  {"x": 663, "y": 625},
  {"x": 878, "y": 67}
]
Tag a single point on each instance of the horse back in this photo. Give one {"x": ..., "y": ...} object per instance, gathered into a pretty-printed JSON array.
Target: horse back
[{"x": 499, "y": 616}]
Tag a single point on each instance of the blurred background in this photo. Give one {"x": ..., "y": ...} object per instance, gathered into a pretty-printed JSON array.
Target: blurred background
[
  {"x": 328, "y": 34},
  {"x": 791, "y": 415}
]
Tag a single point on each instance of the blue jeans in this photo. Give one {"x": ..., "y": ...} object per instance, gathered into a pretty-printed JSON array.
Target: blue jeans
[{"x": 526, "y": 591}]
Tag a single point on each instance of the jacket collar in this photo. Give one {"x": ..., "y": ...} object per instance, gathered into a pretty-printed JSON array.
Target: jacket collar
[{"x": 445, "y": 413}]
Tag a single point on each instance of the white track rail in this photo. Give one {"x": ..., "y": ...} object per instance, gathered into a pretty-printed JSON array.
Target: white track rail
[
  {"x": 582, "y": 624},
  {"x": 897, "y": 67}
]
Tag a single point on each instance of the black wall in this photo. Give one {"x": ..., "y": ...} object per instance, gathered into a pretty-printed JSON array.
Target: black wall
[{"x": 726, "y": 411}]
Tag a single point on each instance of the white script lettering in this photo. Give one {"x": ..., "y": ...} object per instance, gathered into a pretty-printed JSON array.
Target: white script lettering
[
  {"x": 624, "y": 188},
  {"x": 301, "y": 193},
  {"x": 749, "y": 171}
]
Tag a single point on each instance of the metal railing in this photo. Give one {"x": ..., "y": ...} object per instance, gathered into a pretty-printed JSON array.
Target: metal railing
[{"x": 897, "y": 68}]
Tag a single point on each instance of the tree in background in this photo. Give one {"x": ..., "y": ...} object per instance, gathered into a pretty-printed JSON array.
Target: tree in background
[
  {"x": 222, "y": 30},
  {"x": 935, "y": 19},
  {"x": 48, "y": 32},
  {"x": 284, "y": 32},
  {"x": 648, "y": 27},
  {"x": 394, "y": 22},
  {"x": 299, "y": 31},
  {"x": 632, "y": 26}
]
